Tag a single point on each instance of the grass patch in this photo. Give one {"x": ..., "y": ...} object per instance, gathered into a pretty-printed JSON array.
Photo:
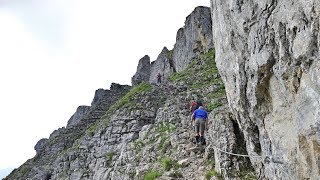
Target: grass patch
[
  {"x": 201, "y": 72},
  {"x": 217, "y": 94},
  {"x": 138, "y": 146},
  {"x": 165, "y": 127},
  {"x": 168, "y": 163},
  {"x": 161, "y": 144},
  {"x": 169, "y": 54},
  {"x": 210, "y": 163},
  {"x": 152, "y": 175},
  {"x": 142, "y": 87},
  {"x": 212, "y": 106},
  {"x": 109, "y": 157},
  {"x": 91, "y": 130},
  {"x": 24, "y": 170},
  {"x": 213, "y": 173},
  {"x": 246, "y": 173},
  {"x": 183, "y": 75}
]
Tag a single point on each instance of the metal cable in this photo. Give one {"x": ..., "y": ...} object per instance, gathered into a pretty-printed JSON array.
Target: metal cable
[{"x": 244, "y": 155}]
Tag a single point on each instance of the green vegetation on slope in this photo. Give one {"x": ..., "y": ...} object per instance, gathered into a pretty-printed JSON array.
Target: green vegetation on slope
[
  {"x": 168, "y": 163},
  {"x": 127, "y": 99},
  {"x": 152, "y": 174},
  {"x": 199, "y": 73},
  {"x": 213, "y": 173}
]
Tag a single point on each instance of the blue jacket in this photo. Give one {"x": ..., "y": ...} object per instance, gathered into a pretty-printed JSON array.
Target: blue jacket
[{"x": 200, "y": 113}]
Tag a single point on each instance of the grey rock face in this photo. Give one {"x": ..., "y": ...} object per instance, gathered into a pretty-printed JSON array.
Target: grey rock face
[
  {"x": 163, "y": 65},
  {"x": 78, "y": 115},
  {"x": 194, "y": 38},
  {"x": 150, "y": 131},
  {"x": 64, "y": 138},
  {"x": 143, "y": 71},
  {"x": 40, "y": 145},
  {"x": 98, "y": 95},
  {"x": 225, "y": 136},
  {"x": 267, "y": 53}
]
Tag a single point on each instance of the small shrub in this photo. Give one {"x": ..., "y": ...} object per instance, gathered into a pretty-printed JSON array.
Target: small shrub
[
  {"x": 24, "y": 170},
  {"x": 142, "y": 87},
  {"x": 161, "y": 144},
  {"x": 214, "y": 105},
  {"x": 169, "y": 54},
  {"x": 152, "y": 175},
  {"x": 109, "y": 157},
  {"x": 183, "y": 75},
  {"x": 217, "y": 94},
  {"x": 91, "y": 130},
  {"x": 138, "y": 145},
  {"x": 165, "y": 127},
  {"x": 168, "y": 163},
  {"x": 246, "y": 173},
  {"x": 213, "y": 173}
]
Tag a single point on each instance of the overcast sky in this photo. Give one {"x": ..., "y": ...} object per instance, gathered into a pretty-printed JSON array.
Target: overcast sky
[{"x": 54, "y": 54}]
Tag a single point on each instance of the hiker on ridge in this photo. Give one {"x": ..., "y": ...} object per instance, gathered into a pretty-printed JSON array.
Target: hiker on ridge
[
  {"x": 200, "y": 122},
  {"x": 159, "y": 78},
  {"x": 193, "y": 106}
]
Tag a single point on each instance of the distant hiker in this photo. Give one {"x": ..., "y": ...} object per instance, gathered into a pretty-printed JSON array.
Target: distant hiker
[
  {"x": 159, "y": 78},
  {"x": 200, "y": 121}
]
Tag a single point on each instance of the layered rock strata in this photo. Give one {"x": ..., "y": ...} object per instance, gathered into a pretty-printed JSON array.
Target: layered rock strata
[
  {"x": 143, "y": 71},
  {"x": 192, "y": 40},
  {"x": 267, "y": 53},
  {"x": 40, "y": 167}
]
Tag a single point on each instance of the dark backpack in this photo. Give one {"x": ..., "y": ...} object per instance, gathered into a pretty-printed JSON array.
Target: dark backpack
[
  {"x": 199, "y": 103},
  {"x": 193, "y": 106}
]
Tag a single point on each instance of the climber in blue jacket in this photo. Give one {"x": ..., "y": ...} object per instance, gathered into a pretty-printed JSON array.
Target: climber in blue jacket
[{"x": 200, "y": 121}]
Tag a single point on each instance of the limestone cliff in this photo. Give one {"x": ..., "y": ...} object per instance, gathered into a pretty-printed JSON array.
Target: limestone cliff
[
  {"x": 268, "y": 55},
  {"x": 78, "y": 115},
  {"x": 143, "y": 71},
  {"x": 162, "y": 65},
  {"x": 192, "y": 40}
]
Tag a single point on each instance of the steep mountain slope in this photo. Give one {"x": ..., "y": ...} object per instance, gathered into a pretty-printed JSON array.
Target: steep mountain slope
[
  {"x": 268, "y": 128},
  {"x": 48, "y": 150},
  {"x": 145, "y": 133},
  {"x": 105, "y": 141}
]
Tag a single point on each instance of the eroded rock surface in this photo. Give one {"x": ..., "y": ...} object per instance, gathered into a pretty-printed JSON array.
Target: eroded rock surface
[
  {"x": 76, "y": 117},
  {"x": 163, "y": 65},
  {"x": 143, "y": 71},
  {"x": 194, "y": 38},
  {"x": 268, "y": 56}
]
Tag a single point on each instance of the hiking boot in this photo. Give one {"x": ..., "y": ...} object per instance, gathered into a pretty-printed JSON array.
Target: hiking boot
[
  {"x": 197, "y": 139},
  {"x": 201, "y": 140}
]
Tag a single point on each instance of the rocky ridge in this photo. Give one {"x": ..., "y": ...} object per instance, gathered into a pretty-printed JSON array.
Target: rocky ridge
[
  {"x": 267, "y": 128},
  {"x": 192, "y": 40},
  {"x": 146, "y": 133},
  {"x": 94, "y": 135},
  {"x": 49, "y": 149}
]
